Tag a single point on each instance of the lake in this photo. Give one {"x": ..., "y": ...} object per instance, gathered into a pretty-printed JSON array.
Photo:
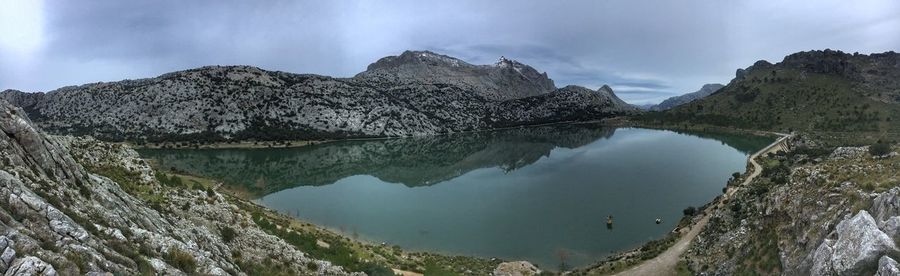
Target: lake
[{"x": 520, "y": 194}]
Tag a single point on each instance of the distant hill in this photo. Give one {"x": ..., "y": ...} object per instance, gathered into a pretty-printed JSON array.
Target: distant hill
[
  {"x": 413, "y": 94},
  {"x": 669, "y": 103},
  {"x": 816, "y": 90}
]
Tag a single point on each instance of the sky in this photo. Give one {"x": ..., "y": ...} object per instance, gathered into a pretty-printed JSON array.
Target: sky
[{"x": 645, "y": 50}]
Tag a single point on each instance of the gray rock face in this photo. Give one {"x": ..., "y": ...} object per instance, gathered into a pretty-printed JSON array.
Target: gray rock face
[
  {"x": 886, "y": 206},
  {"x": 414, "y": 94},
  {"x": 505, "y": 80},
  {"x": 887, "y": 267},
  {"x": 520, "y": 268},
  {"x": 60, "y": 218},
  {"x": 704, "y": 91},
  {"x": 30, "y": 266},
  {"x": 857, "y": 249}
]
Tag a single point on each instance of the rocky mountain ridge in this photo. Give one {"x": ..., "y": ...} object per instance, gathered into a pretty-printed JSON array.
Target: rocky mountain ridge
[
  {"x": 416, "y": 93},
  {"x": 672, "y": 102},
  {"x": 815, "y": 90}
]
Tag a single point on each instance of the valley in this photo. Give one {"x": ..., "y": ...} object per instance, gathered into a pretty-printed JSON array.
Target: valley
[{"x": 462, "y": 178}]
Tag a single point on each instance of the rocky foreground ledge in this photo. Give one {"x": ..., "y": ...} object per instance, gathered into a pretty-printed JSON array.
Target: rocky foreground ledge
[
  {"x": 59, "y": 218},
  {"x": 813, "y": 211}
]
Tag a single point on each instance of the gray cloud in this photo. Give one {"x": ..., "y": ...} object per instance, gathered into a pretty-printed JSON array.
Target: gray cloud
[{"x": 645, "y": 50}]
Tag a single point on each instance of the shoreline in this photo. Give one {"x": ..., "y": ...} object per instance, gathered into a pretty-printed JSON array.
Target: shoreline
[
  {"x": 666, "y": 263},
  {"x": 397, "y": 257}
]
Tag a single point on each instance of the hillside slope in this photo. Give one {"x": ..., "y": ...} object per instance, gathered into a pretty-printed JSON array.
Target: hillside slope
[
  {"x": 60, "y": 214},
  {"x": 813, "y": 211},
  {"x": 416, "y": 93},
  {"x": 815, "y": 90}
]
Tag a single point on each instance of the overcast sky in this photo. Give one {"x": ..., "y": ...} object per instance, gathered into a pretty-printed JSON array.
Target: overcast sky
[{"x": 646, "y": 51}]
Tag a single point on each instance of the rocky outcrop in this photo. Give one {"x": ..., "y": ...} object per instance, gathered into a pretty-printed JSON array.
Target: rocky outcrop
[
  {"x": 672, "y": 102},
  {"x": 810, "y": 212},
  {"x": 414, "y": 94},
  {"x": 857, "y": 249},
  {"x": 570, "y": 103},
  {"x": 520, "y": 268},
  {"x": 58, "y": 217},
  {"x": 886, "y": 207},
  {"x": 887, "y": 266},
  {"x": 30, "y": 265}
]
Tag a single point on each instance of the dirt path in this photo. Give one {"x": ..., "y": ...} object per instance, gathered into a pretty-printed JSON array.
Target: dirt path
[{"x": 665, "y": 263}]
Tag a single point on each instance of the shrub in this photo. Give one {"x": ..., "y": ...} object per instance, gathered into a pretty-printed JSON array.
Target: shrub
[
  {"x": 181, "y": 260},
  {"x": 78, "y": 260},
  {"x": 690, "y": 211},
  {"x": 228, "y": 234},
  {"x": 879, "y": 149}
]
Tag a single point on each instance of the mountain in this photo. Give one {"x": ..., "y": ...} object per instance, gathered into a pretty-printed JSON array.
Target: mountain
[
  {"x": 644, "y": 107},
  {"x": 704, "y": 91},
  {"x": 507, "y": 79},
  {"x": 416, "y": 93},
  {"x": 816, "y": 90},
  {"x": 61, "y": 215}
]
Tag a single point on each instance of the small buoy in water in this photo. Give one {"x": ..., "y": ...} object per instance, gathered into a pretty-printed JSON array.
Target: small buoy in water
[{"x": 658, "y": 221}]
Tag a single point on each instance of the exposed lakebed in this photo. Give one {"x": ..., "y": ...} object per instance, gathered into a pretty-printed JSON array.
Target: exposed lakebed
[{"x": 520, "y": 194}]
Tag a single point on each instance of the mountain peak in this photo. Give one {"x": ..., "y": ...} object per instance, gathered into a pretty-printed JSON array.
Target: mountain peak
[
  {"x": 706, "y": 90},
  {"x": 417, "y": 57},
  {"x": 507, "y": 79},
  {"x": 605, "y": 88},
  {"x": 505, "y": 62}
]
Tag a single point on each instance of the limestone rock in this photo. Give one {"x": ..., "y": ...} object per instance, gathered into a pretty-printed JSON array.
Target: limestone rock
[
  {"x": 519, "y": 268},
  {"x": 415, "y": 94},
  {"x": 887, "y": 267},
  {"x": 30, "y": 265},
  {"x": 886, "y": 205},
  {"x": 856, "y": 250},
  {"x": 56, "y": 211}
]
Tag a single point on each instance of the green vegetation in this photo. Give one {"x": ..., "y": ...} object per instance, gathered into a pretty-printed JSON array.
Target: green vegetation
[
  {"x": 879, "y": 149},
  {"x": 682, "y": 269},
  {"x": 763, "y": 256},
  {"x": 128, "y": 180},
  {"x": 228, "y": 234},
  {"x": 338, "y": 252},
  {"x": 181, "y": 260},
  {"x": 266, "y": 267},
  {"x": 689, "y": 211},
  {"x": 785, "y": 99}
]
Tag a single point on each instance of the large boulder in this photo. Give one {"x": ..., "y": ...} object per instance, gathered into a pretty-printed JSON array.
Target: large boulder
[
  {"x": 856, "y": 250},
  {"x": 520, "y": 268},
  {"x": 887, "y": 267},
  {"x": 30, "y": 266}
]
